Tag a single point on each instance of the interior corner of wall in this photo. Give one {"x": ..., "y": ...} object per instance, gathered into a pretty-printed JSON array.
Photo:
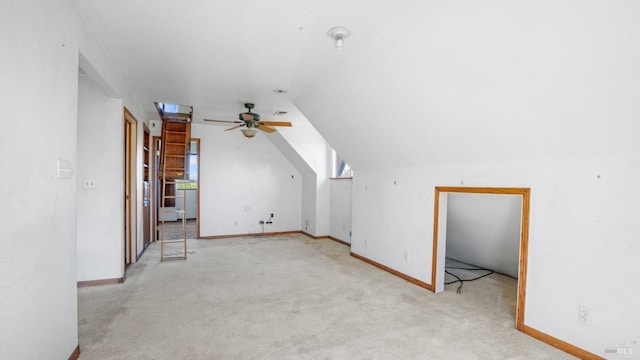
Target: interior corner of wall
[{"x": 95, "y": 75}]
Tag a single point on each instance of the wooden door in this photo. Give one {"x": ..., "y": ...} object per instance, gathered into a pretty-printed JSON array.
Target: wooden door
[
  {"x": 130, "y": 191},
  {"x": 146, "y": 191}
]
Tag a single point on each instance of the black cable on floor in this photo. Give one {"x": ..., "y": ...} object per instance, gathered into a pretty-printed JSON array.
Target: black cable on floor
[
  {"x": 460, "y": 280},
  {"x": 458, "y": 291}
]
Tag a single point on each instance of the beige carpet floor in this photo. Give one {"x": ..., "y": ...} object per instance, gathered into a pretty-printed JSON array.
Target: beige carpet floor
[
  {"x": 173, "y": 233},
  {"x": 291, "y": 297}
]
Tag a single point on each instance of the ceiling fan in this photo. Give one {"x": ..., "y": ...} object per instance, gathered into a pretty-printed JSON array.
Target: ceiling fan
[{"x": 252, "y": 122}]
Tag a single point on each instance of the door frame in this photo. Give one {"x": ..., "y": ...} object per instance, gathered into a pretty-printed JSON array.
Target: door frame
[
  {"x": 154, "y": 185},
  {"x": 155, "y": 191},
  {"x": 130, "y": 196},
  {"x": 146, "y": 178},
  {"x": 197, "y": 141},
  {"x": 437, "y": 269}
]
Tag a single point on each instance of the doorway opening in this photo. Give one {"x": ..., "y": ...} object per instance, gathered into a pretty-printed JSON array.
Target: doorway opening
[
  {"x": 189, "y": 188},
  {"x": 146, "y": 189},
  {"x": 439, "y": 261}
]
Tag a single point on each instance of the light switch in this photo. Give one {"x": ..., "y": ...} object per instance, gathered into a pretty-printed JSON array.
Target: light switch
[{"x": 64, "y": 169}]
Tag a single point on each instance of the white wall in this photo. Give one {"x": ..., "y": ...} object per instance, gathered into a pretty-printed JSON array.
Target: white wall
[
  {"x": 155, "y": 128},
  {"x": 504, "y": 94},
  {"x": 39, "y": 72},
  {"x": 310, "y": 147},
  {"x": 101, "y": 68},
  {"x": 242, "y": 181},
  {"x": 577, "y": 232},
  {"x": 309, "y": 203},
  {"x": 41, "y": 43},
  {"x": 340, "y": 211},
  {"x": 99, "y": 211},
  {"x": 309, "y": 181},
  {"x": 484, "y": 230},
  {"x": 392, "y": 219}
]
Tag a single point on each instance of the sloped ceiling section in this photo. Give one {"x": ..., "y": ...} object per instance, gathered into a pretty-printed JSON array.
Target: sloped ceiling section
[
  {"x": 490, "y": 81},
  {"x": 290, "y": 153},
  {"x": 417, "y": 82}
]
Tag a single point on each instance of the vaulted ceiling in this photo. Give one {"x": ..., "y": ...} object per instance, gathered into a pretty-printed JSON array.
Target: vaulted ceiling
[
  {"x": 217, "y": 55},
  {"x": 417, "y": 83}
]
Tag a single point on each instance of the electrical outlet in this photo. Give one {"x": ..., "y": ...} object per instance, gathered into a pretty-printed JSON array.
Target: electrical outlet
[
  {"x": 89, "y": 184},
  {"x": 584, "y": 315}
]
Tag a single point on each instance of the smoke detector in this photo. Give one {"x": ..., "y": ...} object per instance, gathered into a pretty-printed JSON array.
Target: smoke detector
[{"x": 339, "y": 33}]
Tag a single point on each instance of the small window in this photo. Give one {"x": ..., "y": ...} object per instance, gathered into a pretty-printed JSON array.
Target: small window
[
  {"x": 340, "y": 168},
  {"x": 186, "y": 184},
  {"x": 193, "y": 167}
]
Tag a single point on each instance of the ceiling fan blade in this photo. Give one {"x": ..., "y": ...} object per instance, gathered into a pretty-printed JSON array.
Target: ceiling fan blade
[
  {"x": 224, "y": 121},
  {"x": 234, "y": 127},
  {"x": 266, "y": 128},
  {"x": 275, "y": 123},
  {"x": 247, "y": 117}
]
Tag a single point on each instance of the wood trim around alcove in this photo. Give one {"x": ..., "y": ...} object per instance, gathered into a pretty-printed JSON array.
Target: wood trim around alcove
[
  {"x": 522, "y": 270},
  {"x": 524, "y": 236}
]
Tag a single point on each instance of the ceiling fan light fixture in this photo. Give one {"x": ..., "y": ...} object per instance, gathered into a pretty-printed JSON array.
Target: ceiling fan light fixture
[
  {"x": 338, "y": 34},
  {"x": 249, "y": 133},
  {"x": 250, "y": 123}
]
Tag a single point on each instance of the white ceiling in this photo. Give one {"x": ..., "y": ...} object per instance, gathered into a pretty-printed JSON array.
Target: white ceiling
[
  {"x": 217, "y": 55},
  {"x": 419, "y": 82}
]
